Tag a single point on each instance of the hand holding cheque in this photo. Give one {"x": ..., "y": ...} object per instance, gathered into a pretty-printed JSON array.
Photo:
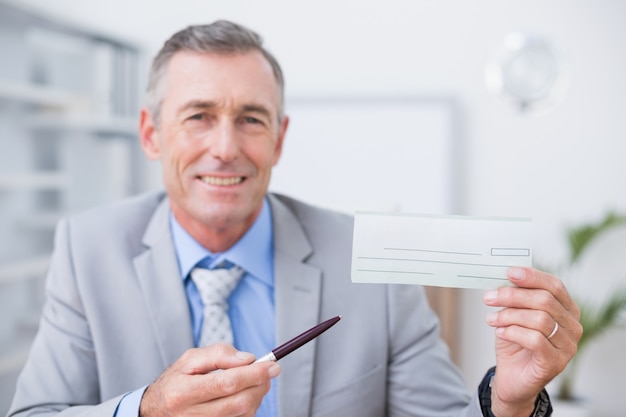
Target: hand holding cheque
[
  {"x": 537, "y": 332},
  {"x": 537, "y": 327}
]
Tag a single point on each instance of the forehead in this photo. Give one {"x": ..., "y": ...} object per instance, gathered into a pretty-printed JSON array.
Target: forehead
[{"x": 233, "y": 79}]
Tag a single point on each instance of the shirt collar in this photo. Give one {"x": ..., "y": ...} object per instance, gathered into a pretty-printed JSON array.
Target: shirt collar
[{"x": 254, "y": 252}]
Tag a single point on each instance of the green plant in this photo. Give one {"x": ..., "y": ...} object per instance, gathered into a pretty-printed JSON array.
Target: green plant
[{"x": 595, "y": 319}]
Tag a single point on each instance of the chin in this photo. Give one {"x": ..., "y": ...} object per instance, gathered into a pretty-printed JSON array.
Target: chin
[{"x": 225, "y": 215}]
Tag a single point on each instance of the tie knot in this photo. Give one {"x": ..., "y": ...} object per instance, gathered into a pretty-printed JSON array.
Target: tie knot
[{"x": 216, "y": 285}]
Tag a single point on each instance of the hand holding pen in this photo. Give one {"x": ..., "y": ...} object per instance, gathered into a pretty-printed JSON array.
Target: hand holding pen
[
  {"x": 191, "y": 386},
  {"x": 190, "y": 383}
]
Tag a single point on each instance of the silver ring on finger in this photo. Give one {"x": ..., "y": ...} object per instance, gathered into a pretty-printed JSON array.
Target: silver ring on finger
[{"x": 556, "y": 329}]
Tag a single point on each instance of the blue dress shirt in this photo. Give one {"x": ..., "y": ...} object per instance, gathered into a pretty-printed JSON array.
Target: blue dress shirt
[{"x": 251, "y": 304}]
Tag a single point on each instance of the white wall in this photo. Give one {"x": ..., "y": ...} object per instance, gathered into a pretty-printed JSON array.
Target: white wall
[{"x": 560, "y": 168}]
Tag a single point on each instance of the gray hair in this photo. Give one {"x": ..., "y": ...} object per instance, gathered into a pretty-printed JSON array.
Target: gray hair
[{"x": 221, "y": 37}]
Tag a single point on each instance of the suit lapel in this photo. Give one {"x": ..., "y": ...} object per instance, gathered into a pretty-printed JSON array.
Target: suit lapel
[
  {"x": 297, "y": 297},
  {"x": 162, "y": 288}
]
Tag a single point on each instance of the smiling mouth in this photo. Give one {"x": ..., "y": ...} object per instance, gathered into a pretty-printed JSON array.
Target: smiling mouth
[{"x": 223, "y": 181}]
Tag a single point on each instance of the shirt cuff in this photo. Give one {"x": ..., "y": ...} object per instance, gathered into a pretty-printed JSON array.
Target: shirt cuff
[{"x": 129, "y": 404}]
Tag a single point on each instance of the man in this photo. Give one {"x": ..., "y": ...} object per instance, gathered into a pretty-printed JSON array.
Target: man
[{"x": 123, "y": 314}]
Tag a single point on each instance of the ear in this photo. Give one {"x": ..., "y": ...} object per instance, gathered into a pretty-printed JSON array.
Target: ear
[
  {"x": 281, "y": 137},
  {"x": 148, "y": 135}
]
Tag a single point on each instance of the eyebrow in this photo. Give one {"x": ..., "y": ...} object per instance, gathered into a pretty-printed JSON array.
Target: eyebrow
[
  {"x": 204, "y": 105},
  {"x": 197, "y": 104},
  {"x": 257, "y": 109}
]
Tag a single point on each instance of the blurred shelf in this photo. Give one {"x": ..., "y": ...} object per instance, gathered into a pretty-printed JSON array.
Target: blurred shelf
[
  {"x": 38, "y": 95},
  {"x": 13, "y": 361},
  {"x": 31, "y": 15},
  {"x": 14, "y": 350},
  {"x": 43, "y": 220},
  {"x": 25, "y": 269},
  {"x": 42, "y": 180},
  {"x": 106, "y": 126},
  {"x": 82, "y": 107}
]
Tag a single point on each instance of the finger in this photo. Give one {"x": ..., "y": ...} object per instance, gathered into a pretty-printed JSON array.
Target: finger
[
  {"x": 554, "y": 330},
  {"x": 536, "y": 320},
  {"x": 542, "y": 292},
  {"x": 533, "y": 278},
  {"x": 550, "y": 355},
  {"x": 529, "y": 339},
  {"x": 561, "y": 336},
  {"x": 531, "y": 319},
  {"x": 536, "y": 310},
  {"x": 207, "y": 359},
  {"x": 237, "y": 391},
  {"x": 243, "y": 403},
  {"x": 231, "y": 381},
  {"x": 526, "y": 299}
]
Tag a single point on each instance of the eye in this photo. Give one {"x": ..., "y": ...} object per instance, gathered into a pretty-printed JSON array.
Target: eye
[
  {"x": 253, "y": 120},
  {"x": 198, "y": 116}
]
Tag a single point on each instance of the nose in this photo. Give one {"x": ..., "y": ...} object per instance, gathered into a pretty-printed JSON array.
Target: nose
[{"x": 224, "y": 145}]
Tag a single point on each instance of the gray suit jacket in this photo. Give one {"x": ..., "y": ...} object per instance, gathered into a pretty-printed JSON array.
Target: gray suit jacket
[{"x": 116, "y": 316}]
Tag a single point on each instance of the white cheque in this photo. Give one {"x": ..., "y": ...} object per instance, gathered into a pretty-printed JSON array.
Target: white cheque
[{"x": 445, "y": 251}]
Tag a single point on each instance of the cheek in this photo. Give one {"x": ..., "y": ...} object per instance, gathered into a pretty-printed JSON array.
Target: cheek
[
  {"x": 267, "y": 159},
  {"x": 180, "y": 151},
  {"x": 273, "y": 152}
]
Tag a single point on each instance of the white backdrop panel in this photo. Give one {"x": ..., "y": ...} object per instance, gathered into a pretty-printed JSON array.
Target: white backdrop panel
[{"x": 369, "y": 154}]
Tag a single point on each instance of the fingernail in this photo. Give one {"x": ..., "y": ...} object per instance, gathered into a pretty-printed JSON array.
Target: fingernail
[
  {"x": 490, "y": 296},
  {"x": 244, "y": 356},
  {"x": 499, "y": 331},
  {"x": 517, "y": 273},
  {"x": 491, "y": 317},
  {"x": 274, "y": 370}
]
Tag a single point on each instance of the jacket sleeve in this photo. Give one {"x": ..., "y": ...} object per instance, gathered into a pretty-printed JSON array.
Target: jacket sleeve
[
  {"x": 60, "y": 376},
  {"x": 422, "y": 380}
]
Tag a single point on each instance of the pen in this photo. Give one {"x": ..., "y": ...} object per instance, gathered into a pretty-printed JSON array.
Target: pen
[{"x": 293, "y": 344}]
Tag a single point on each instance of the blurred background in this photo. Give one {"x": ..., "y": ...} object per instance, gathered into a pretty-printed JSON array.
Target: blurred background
[{"x": 489, "y": 108}]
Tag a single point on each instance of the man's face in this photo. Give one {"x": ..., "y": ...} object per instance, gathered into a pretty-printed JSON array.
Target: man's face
[{"x": 218, "y": 138}]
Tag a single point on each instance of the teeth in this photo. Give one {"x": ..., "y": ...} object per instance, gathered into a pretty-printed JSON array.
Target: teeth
[{"x": 222, "y": 181}]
